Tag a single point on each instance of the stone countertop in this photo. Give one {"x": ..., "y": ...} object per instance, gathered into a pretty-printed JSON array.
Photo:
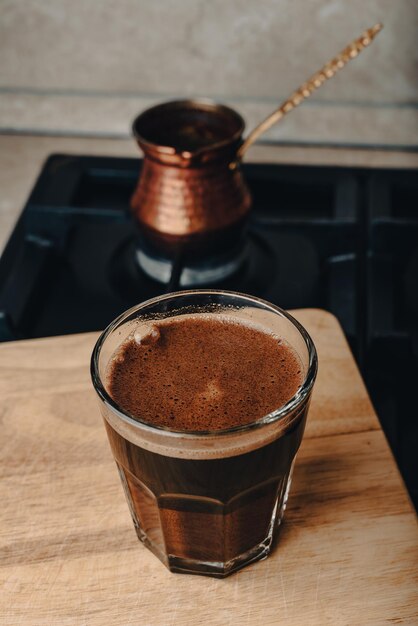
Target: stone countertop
[{"x": 22, "y": 156}]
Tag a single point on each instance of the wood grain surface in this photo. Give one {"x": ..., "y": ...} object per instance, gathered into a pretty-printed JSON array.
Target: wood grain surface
[{"x": 347, "y": 553}]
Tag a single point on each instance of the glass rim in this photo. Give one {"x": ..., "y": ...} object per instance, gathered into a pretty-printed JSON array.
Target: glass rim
[{"x": 274, "y": 416}]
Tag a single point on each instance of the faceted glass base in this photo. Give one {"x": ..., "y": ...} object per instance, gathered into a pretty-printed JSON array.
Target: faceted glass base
[{"x": 219, "y": 569}]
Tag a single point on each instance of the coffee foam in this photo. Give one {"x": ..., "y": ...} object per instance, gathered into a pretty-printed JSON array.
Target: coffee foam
[{"x": 203, "y": 446}]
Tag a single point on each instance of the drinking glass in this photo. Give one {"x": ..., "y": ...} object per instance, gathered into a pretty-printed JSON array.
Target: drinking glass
[{"x": 206, "y": 502}]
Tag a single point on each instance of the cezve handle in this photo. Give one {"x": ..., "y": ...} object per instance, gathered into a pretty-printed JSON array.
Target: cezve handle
[{"x": 306, "y": 89}]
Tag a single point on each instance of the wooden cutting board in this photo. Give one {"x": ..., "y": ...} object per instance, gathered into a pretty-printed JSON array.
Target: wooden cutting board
[{"x": 347, "y": 553}]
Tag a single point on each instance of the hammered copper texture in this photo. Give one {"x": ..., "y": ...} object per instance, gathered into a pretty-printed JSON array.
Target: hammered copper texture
[
  {"x": 182, "y": 202},
  {"x": 185, "y": 198}
]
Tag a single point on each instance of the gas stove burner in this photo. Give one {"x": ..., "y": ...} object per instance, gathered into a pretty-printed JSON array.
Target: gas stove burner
[
  {"x": 343, "y": 239},
  {"x": 192, "y": 273},
  {"x": 263, "y": 268}
]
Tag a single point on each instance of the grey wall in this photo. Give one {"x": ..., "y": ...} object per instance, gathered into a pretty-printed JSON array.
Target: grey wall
[{"x": 88, "y": 66}]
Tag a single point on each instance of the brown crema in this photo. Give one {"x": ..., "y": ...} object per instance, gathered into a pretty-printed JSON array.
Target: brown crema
[{"x": 198, "y": 373}]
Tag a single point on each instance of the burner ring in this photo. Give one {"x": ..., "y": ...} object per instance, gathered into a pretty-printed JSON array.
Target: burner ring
[{"x": 206, "y": 272}]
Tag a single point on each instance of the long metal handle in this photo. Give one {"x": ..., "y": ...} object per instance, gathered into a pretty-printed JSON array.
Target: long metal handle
[{"x": 314, "y": 82}]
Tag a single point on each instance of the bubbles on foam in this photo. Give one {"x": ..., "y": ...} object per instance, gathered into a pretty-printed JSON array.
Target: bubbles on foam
[
  {"x": 146, "y": 335},
  {"x": 210, "y": 392},
  {"x": 224, "y": 316}
]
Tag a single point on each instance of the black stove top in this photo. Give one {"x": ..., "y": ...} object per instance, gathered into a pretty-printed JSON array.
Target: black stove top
[{"x": 343, "y": 239}]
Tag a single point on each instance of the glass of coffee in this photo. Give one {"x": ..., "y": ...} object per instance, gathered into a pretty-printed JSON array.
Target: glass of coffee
[{"x": 204, "y": 396}]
